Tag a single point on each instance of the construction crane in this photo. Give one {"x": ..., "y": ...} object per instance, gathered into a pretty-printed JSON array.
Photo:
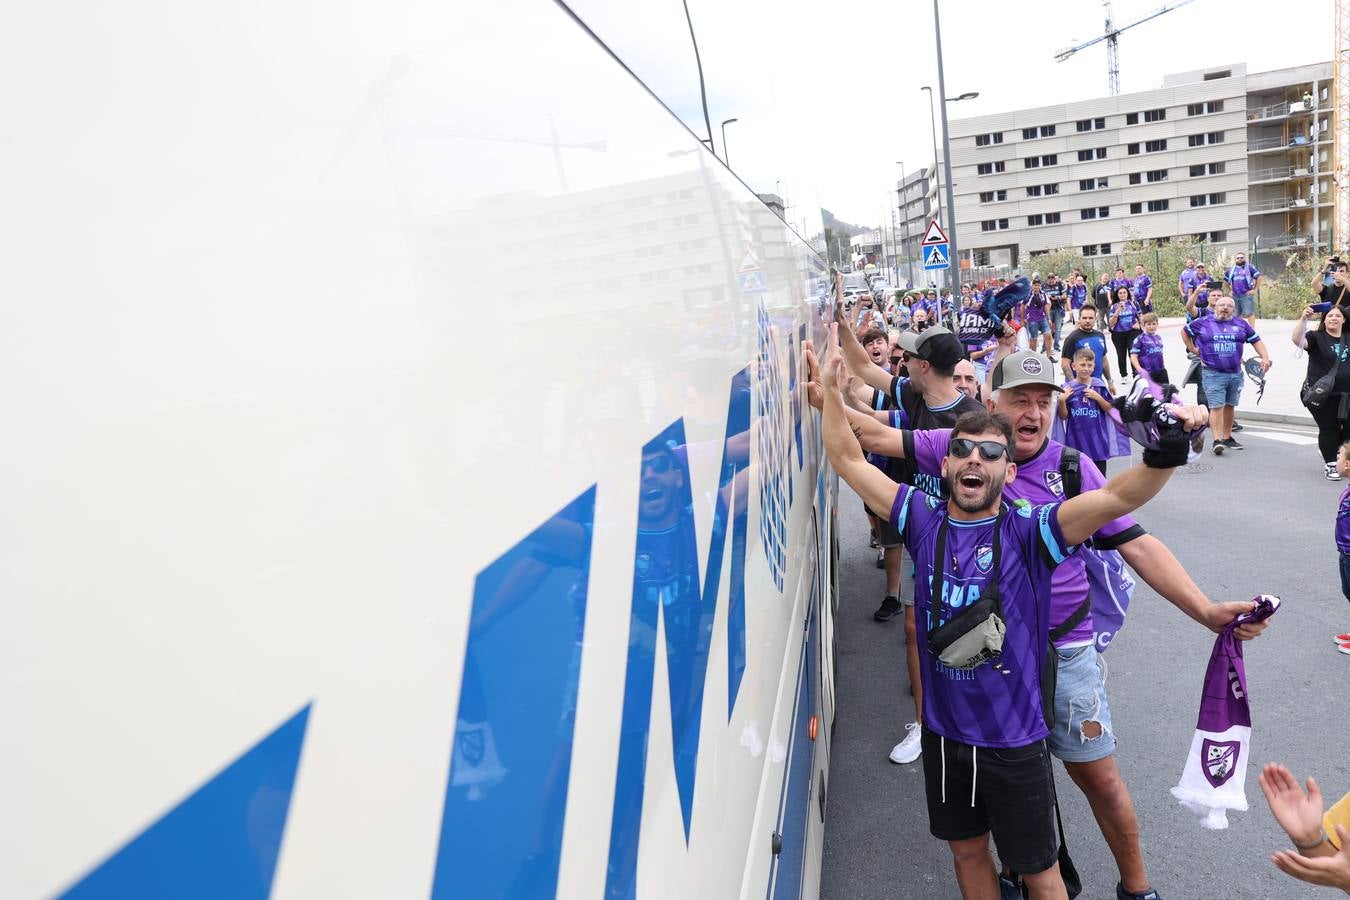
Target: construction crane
[
  {"x": 1340, "y": 124},
  {"x": 1112, "y": 38}
]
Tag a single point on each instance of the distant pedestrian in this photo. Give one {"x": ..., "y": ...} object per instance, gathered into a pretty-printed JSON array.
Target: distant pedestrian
[
  {"x": 1057, "y": 295},
  {"x": 1218, "y": 341},
  {"x": 1143, "y": 289},
  {"x": 1102, "y": 294},
  {"x": 1243, "y": 280},
  {"x": 1087, "y": 335},
  {"x": 1197, "y": 301},
  {"x": 1077, "y": 297},
  {"x": 1035, "y": 318},
  {"x": 1124, "y": 326},
  {"x": 1146, "y": 353},
  {"x": 1328, "y": 348},
  {"x": 1186, "y": 281},
  {"x": 1121, "y": 281}
]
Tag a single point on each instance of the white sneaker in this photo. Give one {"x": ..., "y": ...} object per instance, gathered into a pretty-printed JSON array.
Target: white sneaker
[
  {"x": 1332, "y": 473},
  {"x": 909, "y": 749}
]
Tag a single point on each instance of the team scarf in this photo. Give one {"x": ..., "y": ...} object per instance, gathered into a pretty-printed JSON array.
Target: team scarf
[{"x": 1216, "y": 769}]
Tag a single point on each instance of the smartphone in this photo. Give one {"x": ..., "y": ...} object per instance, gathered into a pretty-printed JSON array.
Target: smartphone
[
  {"x": 1321, "y": 307},
  {"x": 1214, "y": 284}
]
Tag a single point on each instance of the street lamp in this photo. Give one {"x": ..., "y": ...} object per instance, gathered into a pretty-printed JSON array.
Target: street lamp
[
  {"x": 726, "y": 154},
  {"x": 953, "y": 252}
]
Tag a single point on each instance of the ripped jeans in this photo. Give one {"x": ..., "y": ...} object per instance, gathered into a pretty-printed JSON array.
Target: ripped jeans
[{"x": 1082, "y": 730}]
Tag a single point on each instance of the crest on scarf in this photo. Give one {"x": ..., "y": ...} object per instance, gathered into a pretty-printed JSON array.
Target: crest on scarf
[
  {"x": 1055, "y": 482},
  {"x": 1219, "y": 759},
  {"x": 984, "y": 558}
]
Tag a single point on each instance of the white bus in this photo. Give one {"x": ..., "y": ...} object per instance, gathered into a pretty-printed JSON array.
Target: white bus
[{"x": 409, "y": 485}]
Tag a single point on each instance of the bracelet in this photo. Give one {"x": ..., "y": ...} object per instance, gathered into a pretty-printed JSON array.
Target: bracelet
[{"x": 1321, "y": 839}]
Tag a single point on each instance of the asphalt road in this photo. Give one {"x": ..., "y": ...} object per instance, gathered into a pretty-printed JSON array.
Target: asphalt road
[{"x": 1256, "y": 521}]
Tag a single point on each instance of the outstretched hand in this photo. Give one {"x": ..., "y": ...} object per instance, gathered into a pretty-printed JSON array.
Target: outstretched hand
[
  {"x": 811, "y": 369},
  {"x": 1299, "y": 814},
  {"x": 1331, "y": 871},
  {"x": 1218, "y": 615}
]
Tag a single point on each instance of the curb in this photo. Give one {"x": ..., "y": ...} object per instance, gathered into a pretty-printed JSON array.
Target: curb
[{"x": 1249, "y": 415}]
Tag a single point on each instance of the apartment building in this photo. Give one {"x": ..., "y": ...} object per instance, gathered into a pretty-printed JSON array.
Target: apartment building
[{"x": 1241, "y": 161}]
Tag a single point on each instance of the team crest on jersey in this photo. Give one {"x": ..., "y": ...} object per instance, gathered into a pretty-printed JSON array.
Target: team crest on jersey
[
  {"x": 1055, "y": 482},
  {"x": 984, "y": 558},
  {"x": 933, "y": 501},
  {"x": 1220, "y": 760}
]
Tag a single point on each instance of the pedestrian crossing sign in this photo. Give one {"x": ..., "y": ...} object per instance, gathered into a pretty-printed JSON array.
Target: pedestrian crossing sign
[{"x": 935, "y": 257}]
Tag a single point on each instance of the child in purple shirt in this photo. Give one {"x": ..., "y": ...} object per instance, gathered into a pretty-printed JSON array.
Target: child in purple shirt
[
  {"x": 1146, "y": 353},
  {"x": 1083, "y": 407}
]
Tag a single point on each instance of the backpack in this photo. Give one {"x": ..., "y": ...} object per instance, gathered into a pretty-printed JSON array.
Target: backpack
[{"x": 1110, "y": 585}]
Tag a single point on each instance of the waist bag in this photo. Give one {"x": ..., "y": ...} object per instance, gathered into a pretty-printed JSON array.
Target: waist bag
[{"x": 975, "y": 635}]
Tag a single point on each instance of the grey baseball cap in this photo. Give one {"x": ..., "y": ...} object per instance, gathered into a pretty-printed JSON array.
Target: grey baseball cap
[{"x": 1025, "y": 368}]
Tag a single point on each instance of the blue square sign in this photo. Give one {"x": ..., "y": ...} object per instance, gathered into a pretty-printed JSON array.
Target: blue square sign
[{"x": 935, "y": 257}]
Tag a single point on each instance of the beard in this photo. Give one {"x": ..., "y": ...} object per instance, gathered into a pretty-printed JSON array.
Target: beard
[{"x": 983, "y": 500}]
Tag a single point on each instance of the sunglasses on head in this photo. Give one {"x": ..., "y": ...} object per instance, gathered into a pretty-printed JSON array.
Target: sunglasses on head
[{"x": 989, "y": 450}]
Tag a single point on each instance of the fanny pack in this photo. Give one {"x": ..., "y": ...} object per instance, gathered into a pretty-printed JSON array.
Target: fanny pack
[{"x": 975, "y": 635}]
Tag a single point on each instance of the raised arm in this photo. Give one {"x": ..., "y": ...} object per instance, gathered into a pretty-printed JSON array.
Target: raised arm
[
  {"x": 876, "y": 490},
  {"x": 857, "y": 359},
  {"x": 1299, "y": 335}
]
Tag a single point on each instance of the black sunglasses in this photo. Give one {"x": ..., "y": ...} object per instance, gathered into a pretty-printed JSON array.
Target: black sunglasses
[
  {"x": 989, "y": 450},
  {"x": 658, "y": 464}
]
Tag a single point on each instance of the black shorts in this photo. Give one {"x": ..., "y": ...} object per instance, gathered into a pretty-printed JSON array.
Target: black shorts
[
  {"x": 887, "y": 535},
  {"x": 1014, "y": 798}
]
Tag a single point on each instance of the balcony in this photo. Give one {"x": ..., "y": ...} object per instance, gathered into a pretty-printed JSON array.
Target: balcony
[
  {"x": 1281, "y": 204},
  {"x": 1293, "y": 241},
  {"x": 1279, "y": 111},
  {"x": 1276, "y": 173}
]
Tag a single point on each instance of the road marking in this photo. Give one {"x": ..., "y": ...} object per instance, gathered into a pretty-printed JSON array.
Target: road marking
[{"x": 1286, "y": 437}]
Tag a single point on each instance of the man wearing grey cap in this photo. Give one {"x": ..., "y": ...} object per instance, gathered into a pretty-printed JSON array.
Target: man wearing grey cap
[{"x": 928, "y": 398}]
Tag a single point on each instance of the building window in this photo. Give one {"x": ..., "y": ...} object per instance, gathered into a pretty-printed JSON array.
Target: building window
[
  {"x": 1136, "y": 177},
  {"x": 1028, "y": 134},
  {"x": 1050, "y": 159},
  {"x": 1099, "y": 122},
  {"x": 1031, "y": 162},
  {"x": 1083, "y": 125},
  {"x": 1214, "y": 137},
  {"x": 1035, "y": 253},
  {"x": 1207, "y": 108},
  {"x": 1155, "y": 175},
  {"x": 1097, "y": 153},
  {"x": 1051, "y": 188},
  {"x": 1002, "y": 224},
  {"x": 984, "y": 140},
  {"x": 1195, "y": 109},
  {"x": 993, "y": 196},
  {"x": 1198, "y": 200},
  {"x": 1195, "y": 140},
  {"x": 1033, "y": 221},
  {"x": 1209, "y": 137},
  {"x": 1157, "y": 206},
  {"x": 1154, "y": 115},
  {"x": 1215, "y": 76},
  {"x": 1052, "y": 218},
  {"x": 989, "y": 168},
  {"x": 1089, "y": 250},
  {"x": 1155, "y": 146},
  {"x": 1034, "y": 190},
  {"x": 1047, "y": 131},
  {"x": 1106, "y": 249},
  {"x": 1214, "y": 237},
  {"x": 1131, "y": 149},
  {"x": 1162, "y": 241},
  {"x": 1136, "y": 208},
  {"x": 1094, "y": 212},
  {"x": 1216, "y": 199},
  {"x": 1214, "y": 168},
  {"x": 1132, "y": 118},
  {"x": 1092, "y": 184},
  {"x": 988, "y": 225}
]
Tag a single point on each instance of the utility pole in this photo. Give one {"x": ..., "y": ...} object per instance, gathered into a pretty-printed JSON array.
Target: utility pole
[{"x": 955, "y": 255}]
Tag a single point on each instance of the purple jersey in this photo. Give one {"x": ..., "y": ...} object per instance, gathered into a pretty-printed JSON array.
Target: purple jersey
[
  {"x": 1039, "y": 481},
  {"x": 1127, "y": 316},
  {"x": 1033, "y": 310},
  {"x": 1077, "y": 294},
  {"x": 1150, "y": 350},
  {"x": 1187, "y": 281},
  {"x": 1343, "y": 522},
  {"x": 997, "y": 704},
  {"x": 973, "y": 328},
  {"x": 1118, "y": 283},
  {"x": 1142, "y": 285},
  {"x": 1243, "y": 279},
  {"x": 1088, "y": 429},
  {"x": 1220, "y": 343}
]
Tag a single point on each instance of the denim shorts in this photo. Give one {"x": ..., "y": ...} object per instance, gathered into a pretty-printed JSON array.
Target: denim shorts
[
  {"x": 1246, "y": 304},
  {"x": 1036, "y": 328},
  {"x": 1080, "y": 696},
  {"x": 1221, "y": 388}
]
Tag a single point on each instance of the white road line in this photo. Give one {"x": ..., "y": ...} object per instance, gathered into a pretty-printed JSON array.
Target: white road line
[{"x": 1286, "y": 437}]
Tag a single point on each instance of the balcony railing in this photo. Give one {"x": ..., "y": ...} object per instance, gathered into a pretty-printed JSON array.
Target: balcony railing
[
  {"x": 1291, "y": 241},
  {"x": 1279, "y": 203},
  {"x": 1277, "y": 110}
]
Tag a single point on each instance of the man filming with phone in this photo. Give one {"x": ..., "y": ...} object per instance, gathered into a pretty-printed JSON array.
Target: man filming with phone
[
  {"x": 982, "y": 583},
  {"x": 1332, "y": 284}
]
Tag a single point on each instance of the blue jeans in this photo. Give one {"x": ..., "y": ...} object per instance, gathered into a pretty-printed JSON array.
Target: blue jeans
[
  {"x": 1056, "y": 323},
  {"x": 1246, "y": 305},
  {"x": 1080, "y": 697},
  {"x": 1036, "y": 328},
  {"x": 1221, "y": 388}
]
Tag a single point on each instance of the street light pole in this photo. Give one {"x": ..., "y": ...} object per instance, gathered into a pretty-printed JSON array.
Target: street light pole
[
  {"x": 726, "y": 154},
  {"x": 953, "y": 254},
  {"x": 932, "y": 126}
]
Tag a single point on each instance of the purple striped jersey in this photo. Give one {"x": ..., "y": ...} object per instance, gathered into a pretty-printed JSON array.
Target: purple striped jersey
[{"x": 999, "y": 703}]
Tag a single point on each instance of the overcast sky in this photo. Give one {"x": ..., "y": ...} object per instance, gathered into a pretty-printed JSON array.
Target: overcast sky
[{"x": 828, "y": 94}]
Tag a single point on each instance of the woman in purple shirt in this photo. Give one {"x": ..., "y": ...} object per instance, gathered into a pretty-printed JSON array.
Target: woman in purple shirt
[{"x": 1124, "y": 320}]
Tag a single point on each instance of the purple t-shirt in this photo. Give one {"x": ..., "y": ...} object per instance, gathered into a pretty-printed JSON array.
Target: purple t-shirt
[
  {"x": 1343, "y": 522},
  {"x": 1127, "y": 316},
  {"x": 1034, "y": 307},
  {"x": 1088, "y": 429},
  {"x": 1077, "y": 293},
  {"x": 999, "y": 703},
  {"x": 1118, "y": 283},
  {"x": 1188, "y": 279},
  {"x": 1243, "y": 279},
  {"x": 1150, "y": 350},
  {"x": 1220, "y": 343},
  {"x": 1038, "y": 481},
  {"x": 1142, "y": 284}
]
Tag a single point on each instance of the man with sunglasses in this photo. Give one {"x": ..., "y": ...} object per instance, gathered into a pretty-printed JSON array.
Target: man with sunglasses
[
  {"x": 927, "y": 398},
  {"x": 1023, "y": 388},
  {"x": 983, "y": 717}
]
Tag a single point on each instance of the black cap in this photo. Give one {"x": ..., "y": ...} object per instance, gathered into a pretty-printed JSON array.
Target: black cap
[{"x": 937, "y": 345}]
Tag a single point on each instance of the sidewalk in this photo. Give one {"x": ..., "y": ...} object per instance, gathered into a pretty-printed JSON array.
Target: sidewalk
[{"x": 1289, "y": 365}]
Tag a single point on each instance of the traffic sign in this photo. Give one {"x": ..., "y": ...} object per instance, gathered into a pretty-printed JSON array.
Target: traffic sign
[
  {"x": 752, "y": 282},
  {"x": 935, "y": 257},
  {"x": 934, "y": 234}
]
